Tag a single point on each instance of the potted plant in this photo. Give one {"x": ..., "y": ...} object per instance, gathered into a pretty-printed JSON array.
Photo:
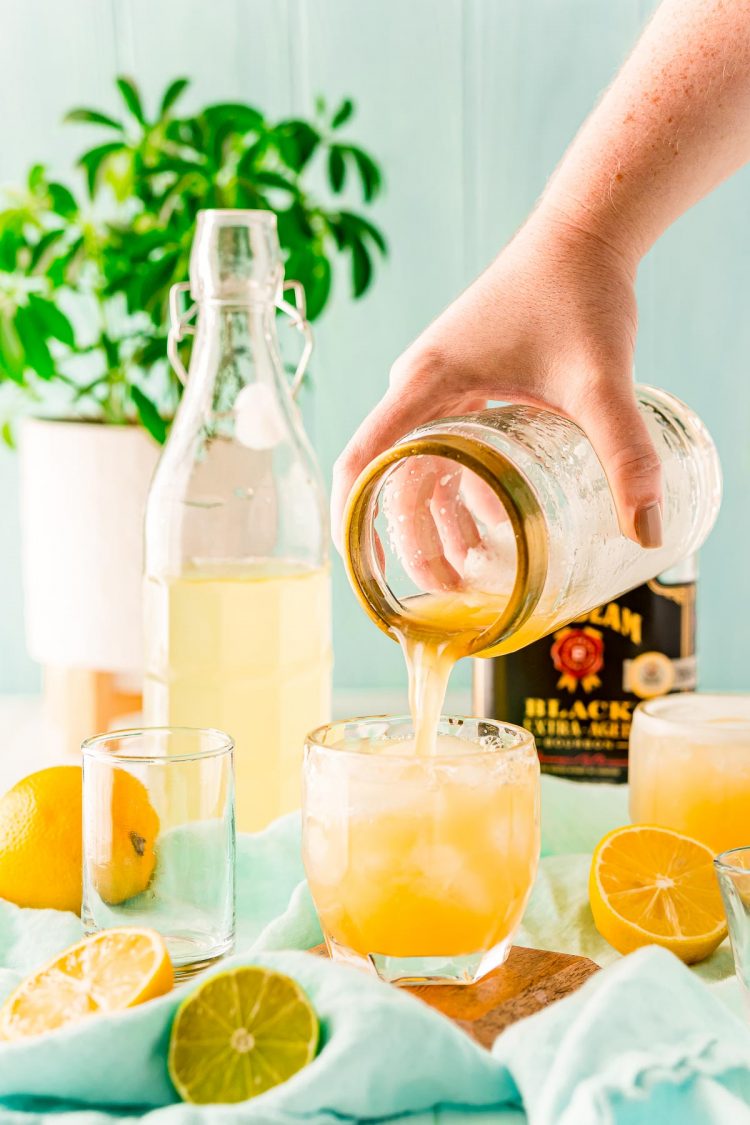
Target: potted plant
[{"x": 84, "y": 283}]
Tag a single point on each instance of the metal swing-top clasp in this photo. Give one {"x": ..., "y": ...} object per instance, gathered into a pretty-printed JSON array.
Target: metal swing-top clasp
[{"x": 181, "y": 324}]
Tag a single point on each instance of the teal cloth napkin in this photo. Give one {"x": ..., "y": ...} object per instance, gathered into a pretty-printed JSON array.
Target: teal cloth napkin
[{"x": 645, "y": 1040}]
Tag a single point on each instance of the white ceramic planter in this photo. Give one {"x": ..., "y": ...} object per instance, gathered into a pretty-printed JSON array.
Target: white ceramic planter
[{"x": 83, "y": 494}]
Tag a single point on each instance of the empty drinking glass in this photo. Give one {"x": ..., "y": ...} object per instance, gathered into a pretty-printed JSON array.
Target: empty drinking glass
[
  {"x": 159, "y": 838},
  {"x": 733, "y": 871}
]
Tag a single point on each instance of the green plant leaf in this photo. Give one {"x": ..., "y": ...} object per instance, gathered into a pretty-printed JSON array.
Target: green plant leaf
[
  {"x": 37, "y": 355},
  {"x": 185, "y": 132},
  {"x": 66, "y": 267},
  {"x": 149, "y": 415},
  {"x": 247, "y": 194},
  {"x": 336, "y": 168},
  {"x": 276, "y": 180},
  {"x": 86, "y": 116},
  {"x": 339, "y": 232},
  {"x": 9, "y": 244},
  {"x": 252, "y": 158},
  {"x": 62, "y": 200},
  {"x": 361, "y": 268},
  {"x": 131, "y": 97},
  {"x": 36, "y": 179},
  {"x": 240, "y": 117},
  {"x": 6, "y": 430},
  {"x": 52, "y": 321},
  {"x": 156, "y": 278},
  {"x": 343, "y": 113},
  {"x": 180, "y": 165},
  {"x": 220, "y": 130},
  {"x": 369, "y": 173},
  {"x": 93, "y": 161},
  {"x": 355, "y": 226},
  {"x": 173, "y": 91},
  {"x": 11, "y": 351},
  {"x": 172, "y": 185},
  {"x": 309, "y": 264},
  {"x": 151, "y": 352},
  {"x": 40, "y": 251},
  {"x": 296, "y": 142},
  {"x": 294, "y": 225}
]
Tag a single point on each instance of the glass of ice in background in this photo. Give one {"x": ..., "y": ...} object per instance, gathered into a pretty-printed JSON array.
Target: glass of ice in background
[
  {"x": 689, "y": 766},
  {"x": 420, "y": 866}
]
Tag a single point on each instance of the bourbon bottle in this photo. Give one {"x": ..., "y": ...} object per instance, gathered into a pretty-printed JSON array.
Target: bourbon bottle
[{"x": 576, "y": 688}]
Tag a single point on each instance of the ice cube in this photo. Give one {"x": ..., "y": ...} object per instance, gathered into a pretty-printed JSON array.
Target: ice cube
[{"x": 325, "y": 849}]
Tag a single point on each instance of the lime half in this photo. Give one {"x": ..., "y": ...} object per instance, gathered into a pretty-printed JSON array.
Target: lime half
[{"x": 242, "y": 1032}]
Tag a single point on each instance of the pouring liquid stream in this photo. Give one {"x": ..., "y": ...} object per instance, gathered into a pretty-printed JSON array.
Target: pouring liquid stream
[{"x": 439, "y": 630}]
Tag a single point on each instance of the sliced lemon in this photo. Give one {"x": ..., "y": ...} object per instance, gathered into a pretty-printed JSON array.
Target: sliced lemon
[
  {"x": 653, "y": 886},
  {"x": 242, "y": 1032},
  {"x": 107, "y": 972}
]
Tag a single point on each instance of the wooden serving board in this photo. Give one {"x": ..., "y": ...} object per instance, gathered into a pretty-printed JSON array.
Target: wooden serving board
[{"x": 528, "y": 981}]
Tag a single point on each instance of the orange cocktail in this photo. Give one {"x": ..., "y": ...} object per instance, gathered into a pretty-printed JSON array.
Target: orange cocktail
[
  {"x": 420, "y": 866},
  {"x": 690, "y": 767}
]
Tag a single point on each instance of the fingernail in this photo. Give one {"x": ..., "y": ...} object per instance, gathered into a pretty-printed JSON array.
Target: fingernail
[{"x": 648, "y": 525}]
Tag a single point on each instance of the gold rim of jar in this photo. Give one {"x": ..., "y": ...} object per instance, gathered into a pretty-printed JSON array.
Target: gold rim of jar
[{"x": 511, "y": 488}]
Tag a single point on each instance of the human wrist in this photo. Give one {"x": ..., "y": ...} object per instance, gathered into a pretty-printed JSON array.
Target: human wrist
[{"x": 588, "y": 230}]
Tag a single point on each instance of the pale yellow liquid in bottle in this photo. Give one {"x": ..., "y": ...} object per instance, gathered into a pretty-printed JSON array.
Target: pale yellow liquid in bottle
[{"x": 247, "y": 649}]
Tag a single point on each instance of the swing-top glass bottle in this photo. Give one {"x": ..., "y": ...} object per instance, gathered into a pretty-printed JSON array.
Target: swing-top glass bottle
[{"x": 237, "y": 578}]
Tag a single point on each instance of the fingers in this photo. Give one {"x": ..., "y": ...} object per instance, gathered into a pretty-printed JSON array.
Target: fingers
[
  {"x": 618, "y": 433},
  {"x": 408, "y": 503},
  {"x": 455, "y": 523},
  {"x": 483, "y": 502},
  {"x": 396, "y": 414},
  {"x": 434, "y": 509}
]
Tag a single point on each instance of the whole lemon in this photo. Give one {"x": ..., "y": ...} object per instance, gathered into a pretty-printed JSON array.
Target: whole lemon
[
  {"x": 124, "y": 826},
  {"x": 40, "y": 840}
]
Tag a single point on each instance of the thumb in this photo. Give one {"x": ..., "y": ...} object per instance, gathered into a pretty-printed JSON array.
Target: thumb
[{"x": 616, "y": 429}]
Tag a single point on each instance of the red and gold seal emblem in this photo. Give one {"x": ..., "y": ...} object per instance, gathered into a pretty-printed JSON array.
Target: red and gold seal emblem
[{"x": 578, "y": 654}]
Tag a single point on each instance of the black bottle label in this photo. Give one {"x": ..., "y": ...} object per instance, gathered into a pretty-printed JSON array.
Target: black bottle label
[{"x": 576, "y": 689}]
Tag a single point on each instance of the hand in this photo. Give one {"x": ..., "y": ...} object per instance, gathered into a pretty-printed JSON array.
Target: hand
[{"x": 551, "y": 323}]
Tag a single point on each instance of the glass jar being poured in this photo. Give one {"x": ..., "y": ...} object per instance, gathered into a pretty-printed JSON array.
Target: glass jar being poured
[{"x": 477, "y": 535}]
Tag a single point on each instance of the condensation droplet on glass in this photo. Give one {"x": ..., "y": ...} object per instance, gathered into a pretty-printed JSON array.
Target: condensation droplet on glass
[
  {"x": 442, "y": 511},
  {"x": 445, "y": 480}
]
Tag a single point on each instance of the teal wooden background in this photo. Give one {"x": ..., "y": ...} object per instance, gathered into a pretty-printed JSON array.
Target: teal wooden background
[{"x": 468, "y": 104}]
